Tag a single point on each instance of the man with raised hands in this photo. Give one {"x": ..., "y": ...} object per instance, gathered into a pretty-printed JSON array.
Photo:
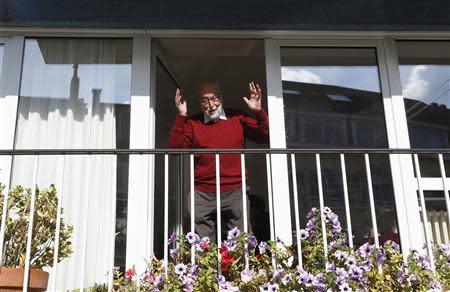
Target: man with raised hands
[{"x": 216, "y": 128}]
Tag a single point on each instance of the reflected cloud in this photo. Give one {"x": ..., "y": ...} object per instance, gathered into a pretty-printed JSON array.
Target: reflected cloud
[
  {"x": 297, "y": 74},
  {"x": 417, "y": 87}
]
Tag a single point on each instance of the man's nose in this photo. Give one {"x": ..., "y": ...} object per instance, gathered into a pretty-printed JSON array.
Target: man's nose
[{"x": 211, "y": 103}]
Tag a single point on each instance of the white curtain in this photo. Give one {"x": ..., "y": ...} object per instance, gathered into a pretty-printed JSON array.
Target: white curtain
[{"x": 65, "y": 105}]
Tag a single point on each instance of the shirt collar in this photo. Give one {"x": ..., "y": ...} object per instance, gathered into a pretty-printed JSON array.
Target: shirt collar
[{"x": 221, "y": 117}]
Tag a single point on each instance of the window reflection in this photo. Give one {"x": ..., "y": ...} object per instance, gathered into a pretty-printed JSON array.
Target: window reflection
[
  {"x": 332, "y": 99},
  {"x": 2, "y": 50},
  {"x": 75, "y": 93},
  {"x": 437, "y": 216},
  {"x": 425, "y": 77}
]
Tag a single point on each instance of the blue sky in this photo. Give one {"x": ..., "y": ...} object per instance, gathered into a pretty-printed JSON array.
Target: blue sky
[{"x": 427, "y": 83}]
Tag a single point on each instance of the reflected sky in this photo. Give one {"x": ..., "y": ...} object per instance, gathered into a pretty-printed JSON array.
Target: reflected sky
[
  {"x": 43, "y": 80},
  {"x": 355, "y": 77},
  {"x": 426, "y": 83}
]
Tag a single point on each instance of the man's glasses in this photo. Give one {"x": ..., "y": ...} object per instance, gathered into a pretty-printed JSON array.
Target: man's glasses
[{"x": 213, "y": 99}]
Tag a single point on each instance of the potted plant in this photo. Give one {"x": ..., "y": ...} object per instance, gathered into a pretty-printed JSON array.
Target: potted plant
[{"x": 42, "y": 246}]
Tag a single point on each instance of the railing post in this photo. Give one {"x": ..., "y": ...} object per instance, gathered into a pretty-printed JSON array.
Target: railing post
[
  {"x": 166, "y": 212},
  {"x": 270, "y": 199},
  {"x": 85, "y": 223},
  {"x": 322, "y": 207},
  {"x": 30, "y": 226},
  {"x": 3, "y": 225},
  {"x": 346, "y": 201},
  {"x": 445, "y": 186},
  {"x": 424, "y": 211},
  {"x": 192, "y": 195},
  {"x": 58, "y": 224},
  {"x": 296, "y": 211},
  {"x": 244, "y": 206},
  {"x": 218, "y": 212},
  {"x": 371, "y": 201}
]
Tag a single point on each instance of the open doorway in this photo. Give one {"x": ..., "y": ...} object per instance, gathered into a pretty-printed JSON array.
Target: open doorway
[{"x": 187, "y": 64}]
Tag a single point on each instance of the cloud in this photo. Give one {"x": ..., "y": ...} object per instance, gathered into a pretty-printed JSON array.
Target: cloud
[
  {"x": 417, "y": 87},
  {"x": 297, "y": 74}
]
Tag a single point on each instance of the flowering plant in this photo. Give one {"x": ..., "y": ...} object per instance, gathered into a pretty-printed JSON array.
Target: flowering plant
[
  {"x": 44, "y": 228},
  {"x": 246, "y": 265}
]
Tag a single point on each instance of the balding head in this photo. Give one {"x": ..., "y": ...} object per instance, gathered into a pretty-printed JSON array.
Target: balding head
[{"x": 209, "y": 88}]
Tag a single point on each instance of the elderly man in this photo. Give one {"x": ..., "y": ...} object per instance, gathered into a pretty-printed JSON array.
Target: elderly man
[{"x": 216, "y": 128}]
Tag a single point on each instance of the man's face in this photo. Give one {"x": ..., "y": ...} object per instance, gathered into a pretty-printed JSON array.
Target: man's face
[{"x": 211, "y": 105}]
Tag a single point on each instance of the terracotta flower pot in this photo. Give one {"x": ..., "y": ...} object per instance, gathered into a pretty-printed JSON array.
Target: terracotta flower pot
[{"x": 11, "y": 280}]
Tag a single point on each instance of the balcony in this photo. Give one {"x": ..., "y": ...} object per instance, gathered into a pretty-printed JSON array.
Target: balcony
[{"x": 360, "y": 185}]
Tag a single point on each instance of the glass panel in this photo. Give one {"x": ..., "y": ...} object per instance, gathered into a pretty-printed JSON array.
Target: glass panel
[
  {"x": 437, "y": 216},
  {"x": 332, "y": 98},
  {"x": 425, "y": 78},
  {"x": 75, "y": 93},
  {"x": 2, "y": 51}
]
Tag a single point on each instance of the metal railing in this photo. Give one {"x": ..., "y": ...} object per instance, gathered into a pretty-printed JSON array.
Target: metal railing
[{"x": 36, "y": 153}]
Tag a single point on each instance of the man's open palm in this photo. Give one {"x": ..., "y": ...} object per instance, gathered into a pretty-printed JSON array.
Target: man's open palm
[
  {"x": 180, "y": 103},
  {"x": 254, "y": 102}
]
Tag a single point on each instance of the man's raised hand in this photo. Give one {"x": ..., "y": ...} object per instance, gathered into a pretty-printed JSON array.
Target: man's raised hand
[
  {"x": 180, "y": 103},
  {"x": 254, "y": 102}
]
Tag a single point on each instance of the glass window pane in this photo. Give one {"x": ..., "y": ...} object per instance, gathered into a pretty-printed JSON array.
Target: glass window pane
[
  {"x": 332, "y": 98},
  {"x": 75, "y": 94},
  {"x": 438, "y": 224},
  {"x": 2, "y": 51},
  {"x": 425, "y": 77}
]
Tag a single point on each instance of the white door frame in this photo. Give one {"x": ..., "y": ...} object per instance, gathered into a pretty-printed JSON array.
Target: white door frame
[{"x": 140, "y": 184}]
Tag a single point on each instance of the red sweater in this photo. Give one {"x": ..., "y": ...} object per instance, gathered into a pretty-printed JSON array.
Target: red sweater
[{"x": 222, "y": 134}]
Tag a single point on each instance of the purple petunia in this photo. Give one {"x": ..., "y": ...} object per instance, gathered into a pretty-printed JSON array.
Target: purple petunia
[
  {"x": 192, "y": 237},
  {"x": 233, "y": 233},
  {"x": 312, "y": 213},
  {"x": 319, "y": 281},
  {"x": 425, "y": 263},
  {"x": 173, "y": 252},
  {"x": 341, "y": 273},
  {"x": 180, "y": 269},
  {"x": 286, "y": 279},
  {"x": 304, "y": 234},
  {"x": 159, "y": 281},
  {"x": 445, "y": 248},
  {"x": 350, "y": 261},
  {"x": 172, "y": 238},
  {"x": 252, "y": 241},
  {"x": 341, "y": 255},
  {"x": 264, "y": 287},
  {"x": 246, "y": 275},
  {"x": 262, "y": 247},
  {"x": 364, "y": 250},
  {"x": 381, "y": 257},
  {"x": 344, "y": 287},
  {"x": 277, "y": 274},
  {"x": 230, "y": 245},
  {"x": 355, "y": 273},
  {"x": 305, "y": 278}
]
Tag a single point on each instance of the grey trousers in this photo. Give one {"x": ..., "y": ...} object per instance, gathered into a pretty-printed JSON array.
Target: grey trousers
[{"x": 231, "y": 213}]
